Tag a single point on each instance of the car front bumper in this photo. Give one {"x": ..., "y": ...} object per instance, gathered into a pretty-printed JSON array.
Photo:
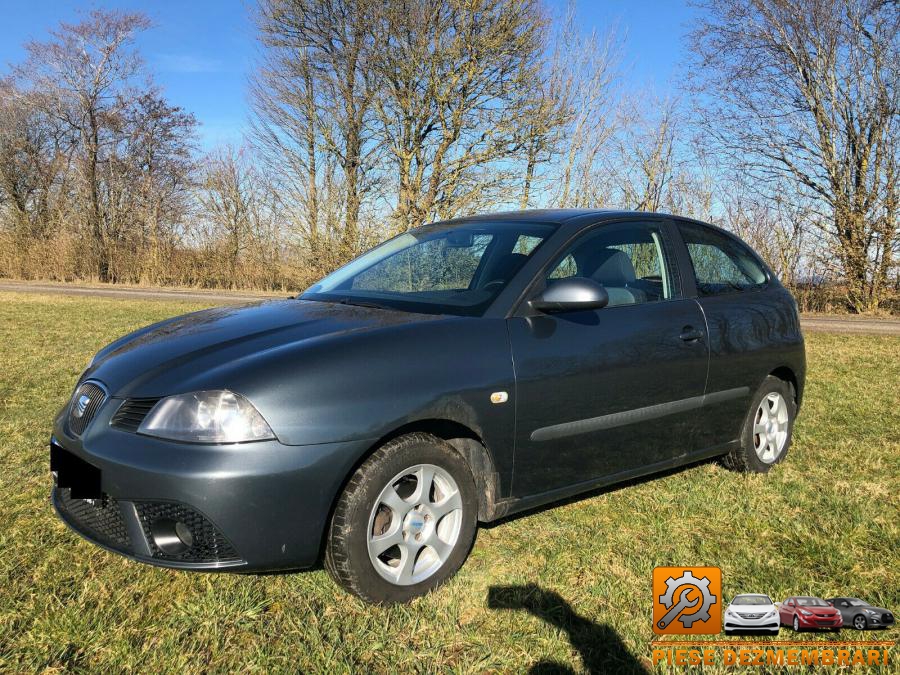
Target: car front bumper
[
  {"x": 820, "y": 622},
  {"x": 242, "y": 507},
  {"x": 879, "y": 621},
  {"x": 736, "y": 622}
]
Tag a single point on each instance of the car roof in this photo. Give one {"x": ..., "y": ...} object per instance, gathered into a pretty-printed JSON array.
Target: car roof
[{"x": 552, "y": 215}]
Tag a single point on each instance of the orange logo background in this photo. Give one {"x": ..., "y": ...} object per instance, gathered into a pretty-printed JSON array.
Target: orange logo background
[{"x": 684, "y": 591}]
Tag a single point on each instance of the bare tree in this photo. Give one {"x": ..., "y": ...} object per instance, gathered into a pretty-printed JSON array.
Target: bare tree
[
  {"x": 454, "y": 81},
  {"x": 239, "y": 206},
  {"x": 645, "y": 163},
  {"x": 35, "y": 151},
  {"x": 588, "y": 71},
  {"x": 807, "y": 90},
  {"x": 312, "y": 97},
  {"x": 87, "y": 70}
]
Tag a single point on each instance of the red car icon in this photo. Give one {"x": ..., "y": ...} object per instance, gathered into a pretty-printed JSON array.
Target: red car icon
[{"x": 804, "y": 612}]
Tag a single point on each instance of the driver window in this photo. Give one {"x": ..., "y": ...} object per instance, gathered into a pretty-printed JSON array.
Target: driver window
[{"x": 628, "y": 259}]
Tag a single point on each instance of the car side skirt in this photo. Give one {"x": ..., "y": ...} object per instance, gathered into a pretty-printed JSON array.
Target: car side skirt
[{"x": 508, "y": 507}]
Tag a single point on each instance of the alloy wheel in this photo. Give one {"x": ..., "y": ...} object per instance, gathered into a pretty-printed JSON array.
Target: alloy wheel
[
  {"x": 770, "y": 427},
  {"x": 859, "y": 623},
  {"x": 415, "y": 524}
]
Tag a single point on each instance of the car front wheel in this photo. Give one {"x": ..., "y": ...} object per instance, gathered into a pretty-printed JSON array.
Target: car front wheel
[
  {"x": 859, "y": 622},
  {"x": 766, "y": 434},
  {"x": 405, "y": 522},
  {"x": 796, "y": 624}
]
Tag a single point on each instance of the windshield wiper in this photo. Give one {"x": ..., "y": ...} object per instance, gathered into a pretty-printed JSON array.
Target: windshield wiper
[{"x": 359, "y": 303}]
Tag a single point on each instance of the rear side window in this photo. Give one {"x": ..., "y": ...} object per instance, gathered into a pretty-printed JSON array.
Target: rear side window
[{"x": 721, "y": 263}]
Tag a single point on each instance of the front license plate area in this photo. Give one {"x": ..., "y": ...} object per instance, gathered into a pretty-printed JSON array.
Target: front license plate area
[{"x": 82, "y": 478}]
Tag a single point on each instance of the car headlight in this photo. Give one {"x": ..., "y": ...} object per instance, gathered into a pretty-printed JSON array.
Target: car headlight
[
  {"x": 771, "y": 614},
  {"x": 805, "y": 612},
  {"x": 206, "y": 417},
  {"x": 871, "y": 612}
]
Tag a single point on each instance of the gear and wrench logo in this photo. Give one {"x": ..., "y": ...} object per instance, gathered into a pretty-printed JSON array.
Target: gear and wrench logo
[{"x": 685, "y": 596}]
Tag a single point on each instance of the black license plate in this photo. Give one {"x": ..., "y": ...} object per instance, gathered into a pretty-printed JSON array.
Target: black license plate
[{"x": 82, "y": 478}]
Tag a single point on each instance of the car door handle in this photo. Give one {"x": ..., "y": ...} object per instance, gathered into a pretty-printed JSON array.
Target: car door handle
[{"x": 691, "y": 334}]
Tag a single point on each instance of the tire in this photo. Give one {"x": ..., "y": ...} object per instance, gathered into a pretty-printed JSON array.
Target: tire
[
  {"x": 796, "y": 625},
  {"x": 746, "y": 457},
  {"x": 859, "y": 622},
  {"x": 439, "y": 528}
]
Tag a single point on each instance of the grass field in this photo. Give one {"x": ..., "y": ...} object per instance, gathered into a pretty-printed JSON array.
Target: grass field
[{"x": 568, "y": 586}]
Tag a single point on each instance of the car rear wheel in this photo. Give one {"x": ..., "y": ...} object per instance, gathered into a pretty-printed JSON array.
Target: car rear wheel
[
  {"x": 859, "y": 622},
  {"x": 405, "y": 522},
  {"x": 766, "y": 434}
]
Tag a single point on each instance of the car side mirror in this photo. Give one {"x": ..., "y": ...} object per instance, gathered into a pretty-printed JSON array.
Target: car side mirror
[{"x": 572, "y": 294}]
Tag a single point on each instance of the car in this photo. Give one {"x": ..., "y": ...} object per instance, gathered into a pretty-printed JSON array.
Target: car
[
  {"x": 803, "y": 612},
  {"x": 456, "y": 374},
  {"x": 861, "y": 615},
  {"x": 752, "y": 612}
]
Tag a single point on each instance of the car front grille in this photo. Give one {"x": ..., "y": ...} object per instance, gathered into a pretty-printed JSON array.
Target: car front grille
[
  {"x": 749, "y": 616},
  {"x": 84, "y": 405},
  {"x": 825, "y": 621},
  {"x": 209, "y": 544},
  {"x": 132, "y": 412},
  {"x": 887, "y": 617},
  {"x": 100, "y": 519}
]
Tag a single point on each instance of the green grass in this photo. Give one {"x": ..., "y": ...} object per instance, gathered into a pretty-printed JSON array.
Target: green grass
[{"x": 827, "y": 521}]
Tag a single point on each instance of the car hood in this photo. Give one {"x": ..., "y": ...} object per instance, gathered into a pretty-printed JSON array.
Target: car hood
[
  {"x": 752, "y": 609},
  {"x": 881, "y": 610},
  {"x": 154, "y": 360}
]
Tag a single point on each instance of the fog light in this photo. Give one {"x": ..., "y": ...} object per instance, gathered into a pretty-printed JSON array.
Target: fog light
[{"x": 171, "y": 536}]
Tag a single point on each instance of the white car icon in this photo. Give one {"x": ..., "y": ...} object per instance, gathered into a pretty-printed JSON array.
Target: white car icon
[{"x": 752, "y": 611}]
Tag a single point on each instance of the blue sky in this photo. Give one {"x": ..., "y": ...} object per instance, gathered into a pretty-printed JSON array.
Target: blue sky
[{"x": 202, "y": 51}]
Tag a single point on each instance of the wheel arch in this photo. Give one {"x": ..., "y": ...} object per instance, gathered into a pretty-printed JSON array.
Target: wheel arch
[
  {"x": 469, "y": 444},
  {"x": 787, "y": 374},
  {"x": 463, "y": 439}
]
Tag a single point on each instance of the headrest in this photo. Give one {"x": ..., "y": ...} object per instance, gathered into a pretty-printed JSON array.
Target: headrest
[{"x": 611, "y": 267}]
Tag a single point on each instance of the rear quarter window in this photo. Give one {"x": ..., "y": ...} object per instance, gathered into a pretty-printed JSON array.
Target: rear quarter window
[{"x": 721, "y": 263}]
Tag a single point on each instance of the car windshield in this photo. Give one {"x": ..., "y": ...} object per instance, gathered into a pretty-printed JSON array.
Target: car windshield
[
  {"x": 856, "y": 602},
  {"x": 455, "y": 268},
  {"x": 751, "y": 600},
  {"x": 811, "y": 602}
]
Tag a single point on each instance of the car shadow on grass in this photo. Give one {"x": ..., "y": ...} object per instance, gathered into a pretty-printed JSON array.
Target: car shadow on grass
[{"x": 600, "y": 647}]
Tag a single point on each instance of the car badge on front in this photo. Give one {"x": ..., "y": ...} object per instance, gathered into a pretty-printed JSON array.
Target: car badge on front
[{"x": 81, "y": 405}]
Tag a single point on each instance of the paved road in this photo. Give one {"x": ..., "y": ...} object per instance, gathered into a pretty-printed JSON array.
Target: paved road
[
  {"x": 215, "y": 297},
  {"x": 830, "y": 324}
]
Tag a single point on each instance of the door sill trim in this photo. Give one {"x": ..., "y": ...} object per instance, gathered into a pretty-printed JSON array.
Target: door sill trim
[{"x": 512, "y": 505}]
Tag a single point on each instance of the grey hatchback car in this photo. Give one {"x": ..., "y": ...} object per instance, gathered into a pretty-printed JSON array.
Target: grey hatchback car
[{"x": 455, "y": 374}]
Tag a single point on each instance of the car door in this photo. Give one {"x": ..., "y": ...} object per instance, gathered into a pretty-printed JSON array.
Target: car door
[
  {"x": 843, "y": 606},
  {"x": 607, "y": 393}
]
